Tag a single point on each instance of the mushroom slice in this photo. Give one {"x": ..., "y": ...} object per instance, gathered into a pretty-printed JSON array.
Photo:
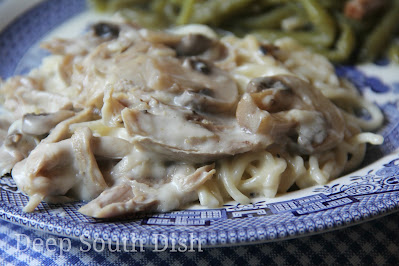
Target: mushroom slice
[
  {"x": 167, "y": 125},
  {"x": 182, "y": 134},
  {"x": 193, "y": 44},
  {"x": 260, "y": 121},
  {"x": 210, "y": 89},
  {"x": 39, "y": 124},
  {"x": 185, "y": 45},
  {"x": 16, "y": 146},
  {"x": 291, "y": 111},
  {"x": 198, "y": 84}
]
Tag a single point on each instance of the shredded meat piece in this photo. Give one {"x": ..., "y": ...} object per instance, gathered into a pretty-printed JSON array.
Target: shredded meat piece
[
  {"x": 132, "y": 196},
  {"x": 59, "y": 168}
]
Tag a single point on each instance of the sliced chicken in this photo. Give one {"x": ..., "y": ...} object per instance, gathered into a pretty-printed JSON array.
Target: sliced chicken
[
  {"x": 5, "y": 123},
  {"x": 132, "y": 196},
  {"x": 25, "y": 134},
  {"x": 24, "y": 95},
  {"x": 55, "y": 169}
]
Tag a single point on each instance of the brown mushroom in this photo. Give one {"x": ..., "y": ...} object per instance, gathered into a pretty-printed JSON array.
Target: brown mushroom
[
  {"x": 193, "y": 44},
  {"x": 211, "y": 89},
  {"x": 291, "y": 111},
  {"x": 39, "y": 124},
  {"x": 182, "y": 134}
]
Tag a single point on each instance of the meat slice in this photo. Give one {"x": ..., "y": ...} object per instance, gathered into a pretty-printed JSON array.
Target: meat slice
[
  {"x": 5, "y": 123},
  {"x": 25, "y": 95},
  {"x": 26, "y": 133},
  {"x": 68, "y": 167},
  {"x": 129, "y": 197},
  {"x": 55, "y": 169},
  {"x": 132, "y": 196}
]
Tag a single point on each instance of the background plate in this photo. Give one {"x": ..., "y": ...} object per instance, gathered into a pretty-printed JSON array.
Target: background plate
[{"x": 370, "y": 192}]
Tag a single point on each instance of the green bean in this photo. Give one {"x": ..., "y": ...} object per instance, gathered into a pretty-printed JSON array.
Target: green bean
[
  {"x": 304, "y": 37},
  {"x": 145, "y": 18},
  {"x": 381, "y": 35},
  {"x": 177, "y": 2},
  {"x": 215, "y": 11},
  {"x": 393, "y": 51},
  {"x": 268, "y": 3},
  {"x": 158, "y": 6},
  {"x": 344, "y": 45},
  {"x": 322, "y": 36},
  {"x": 98, "y": 5},
  {"x": 264, "y": 19},
  {"x": 361, "y": 27},
  {"x": 270, "y": 19},
  {"x": 333, "y": 4},
  {"x": 321, "y": 19},
  {"x": 185, "y": 12}
]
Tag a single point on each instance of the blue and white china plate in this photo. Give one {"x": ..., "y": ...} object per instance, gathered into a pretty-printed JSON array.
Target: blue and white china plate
[{"x": 370, "y": 192}]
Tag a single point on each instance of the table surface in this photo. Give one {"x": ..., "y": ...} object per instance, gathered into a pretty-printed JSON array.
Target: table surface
[{"x": 371, "y": 242}]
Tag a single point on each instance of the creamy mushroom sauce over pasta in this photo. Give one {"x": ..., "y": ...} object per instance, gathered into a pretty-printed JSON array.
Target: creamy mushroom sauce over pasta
[{"x": 129, "y": 119}]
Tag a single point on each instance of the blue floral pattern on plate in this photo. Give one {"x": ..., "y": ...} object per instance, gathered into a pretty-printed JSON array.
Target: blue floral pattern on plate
[{"x": 372, "y": 191}]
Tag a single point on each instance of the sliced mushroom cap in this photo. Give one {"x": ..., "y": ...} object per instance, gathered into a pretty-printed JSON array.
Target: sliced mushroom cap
[
  {"x": 106, "y": 30},
  {"x": 291, "y": 110},
  {"x": 16, "y": 147},
  {"x": 160, "y": 37},
  {"x": 259, "y": 121},
  {"x": 39, "y": 124},
  {"x": 213, "y": 91},
  {"x": 201, "y": 42},
  {"x": 181, "y": 134},
  {"x": 193, "y": 44},
  {"x": 154, "y": 67},
  {"x": 201, "y": 46}
]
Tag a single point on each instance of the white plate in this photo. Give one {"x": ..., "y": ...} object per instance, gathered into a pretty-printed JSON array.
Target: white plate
[{"x": 370, "y": 192}]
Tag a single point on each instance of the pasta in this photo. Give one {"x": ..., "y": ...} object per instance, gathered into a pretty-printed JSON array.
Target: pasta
[
  {"x": 343, "y": 31},
  {"x": 130, "y": 119}
]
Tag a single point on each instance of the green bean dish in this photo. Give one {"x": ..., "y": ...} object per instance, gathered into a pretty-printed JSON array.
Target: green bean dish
[{"x": 345, "y": 31}]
